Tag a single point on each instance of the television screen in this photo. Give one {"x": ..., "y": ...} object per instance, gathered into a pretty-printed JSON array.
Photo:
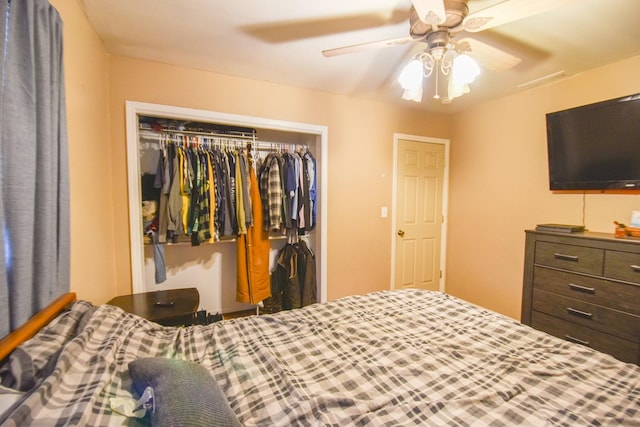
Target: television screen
[{"x": 596, "y": 146}]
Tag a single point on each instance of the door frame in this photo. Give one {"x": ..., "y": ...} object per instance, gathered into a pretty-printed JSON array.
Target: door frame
[{"x": 445, "y": 203}]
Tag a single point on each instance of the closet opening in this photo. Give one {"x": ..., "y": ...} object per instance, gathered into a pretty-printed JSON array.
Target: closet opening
[{"x": 208, "y": 261}]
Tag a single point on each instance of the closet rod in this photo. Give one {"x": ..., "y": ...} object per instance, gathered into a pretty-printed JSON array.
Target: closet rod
[
  {"x": 158, "y": 133},
  {"x": 271, "y": 145}
]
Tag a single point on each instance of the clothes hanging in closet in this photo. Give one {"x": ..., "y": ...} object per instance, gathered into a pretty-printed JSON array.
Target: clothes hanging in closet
[
  {"x": 198, "y": 196},
  {"x": 202, "y": 191},
  {"x": 293, "y": 281},
  {"x": 203, "y": 195},
  {"x": 288, "y": 191}
]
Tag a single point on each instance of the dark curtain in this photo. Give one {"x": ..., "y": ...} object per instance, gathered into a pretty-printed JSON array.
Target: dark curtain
[{"x": 34, "y": 207}]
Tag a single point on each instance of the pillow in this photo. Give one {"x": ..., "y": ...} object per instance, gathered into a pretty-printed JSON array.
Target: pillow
[{"x": 184, "y": 393}]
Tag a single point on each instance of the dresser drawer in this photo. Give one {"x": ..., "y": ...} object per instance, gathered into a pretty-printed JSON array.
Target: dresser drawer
[
  {"x": 623, "y": 350},
  {"x": 623, "y": 297},
  {"x": 569, "y": 257},
  {"x": 622, "y": 266},
  {"x": 614, "y": 322}
]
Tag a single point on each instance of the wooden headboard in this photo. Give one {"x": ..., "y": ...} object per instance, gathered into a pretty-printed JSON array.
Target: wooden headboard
[{"x": 34, "y": 324}]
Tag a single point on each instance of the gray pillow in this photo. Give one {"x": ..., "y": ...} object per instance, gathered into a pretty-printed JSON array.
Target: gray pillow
[{"x": 185, "y": 393}]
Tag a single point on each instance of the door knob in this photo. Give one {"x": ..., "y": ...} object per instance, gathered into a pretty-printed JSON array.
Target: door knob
[{"x": 401, "y": 233}]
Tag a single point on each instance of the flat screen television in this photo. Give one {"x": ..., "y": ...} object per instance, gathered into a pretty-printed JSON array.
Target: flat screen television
[{"x": 595, "y": 146}]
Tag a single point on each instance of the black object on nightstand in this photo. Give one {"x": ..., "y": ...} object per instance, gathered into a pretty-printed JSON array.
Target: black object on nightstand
[{"x": 174, "y": 307}]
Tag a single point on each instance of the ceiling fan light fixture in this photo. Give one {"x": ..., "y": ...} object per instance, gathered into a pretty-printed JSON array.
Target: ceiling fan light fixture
[
  {"x": 465, "y": 69},
  {"x": 414, "y": 94},
  {"x": 411, "y": 76},
  {"x": 456, "y": 89},
  {"x": 459, "y": 69}
]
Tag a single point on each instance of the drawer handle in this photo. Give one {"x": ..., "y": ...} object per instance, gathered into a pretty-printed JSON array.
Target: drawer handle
[
  {"x": 576, "y": 340},
  {"x": 566, "y": 257},
  {"x": 635, "y": 268},
  {"x": 579, "y": 312},
  {"x": 579, "y": 288}
]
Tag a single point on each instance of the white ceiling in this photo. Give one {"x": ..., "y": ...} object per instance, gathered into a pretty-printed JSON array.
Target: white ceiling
[{"x": 281, "y": 41}]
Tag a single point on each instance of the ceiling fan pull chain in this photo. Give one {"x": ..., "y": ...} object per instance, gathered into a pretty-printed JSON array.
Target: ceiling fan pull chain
[{"x": 437, "y": 68}]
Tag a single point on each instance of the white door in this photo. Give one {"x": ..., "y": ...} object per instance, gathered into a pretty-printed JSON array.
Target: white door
[{"x": 420, "y": 175}]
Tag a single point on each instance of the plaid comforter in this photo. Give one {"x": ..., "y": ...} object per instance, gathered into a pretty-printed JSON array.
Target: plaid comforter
[{"x": 392, "y": 358}]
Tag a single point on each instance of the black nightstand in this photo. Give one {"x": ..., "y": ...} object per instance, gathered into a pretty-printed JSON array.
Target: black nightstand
[{"x": 174, "y": 307}]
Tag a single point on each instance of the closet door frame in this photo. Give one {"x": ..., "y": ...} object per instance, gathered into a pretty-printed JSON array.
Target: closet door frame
[{"x": 134, "y": 109}]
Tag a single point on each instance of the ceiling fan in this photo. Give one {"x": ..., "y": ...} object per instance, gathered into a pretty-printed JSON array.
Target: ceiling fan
[{"x": 437, "y": 23}]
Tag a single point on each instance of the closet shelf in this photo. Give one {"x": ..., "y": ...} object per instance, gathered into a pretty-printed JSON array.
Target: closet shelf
[
  {"x": 151, "y": 139},
  {"x": 160, "y": 134},
  {"x": 156, "y": 124}
]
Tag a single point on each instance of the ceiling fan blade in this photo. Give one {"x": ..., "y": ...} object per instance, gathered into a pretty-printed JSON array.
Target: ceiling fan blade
[
  {"x": 365, "y": 46},
  {"x": 508, "y": 11},
  {"x": 286, "y": 31},
  {"x": 488, "y": 56},
  {"x": 430, "y": 12}
]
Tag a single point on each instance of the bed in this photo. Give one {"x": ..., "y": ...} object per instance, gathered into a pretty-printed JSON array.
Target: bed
[{"x": 390, "y": 358}]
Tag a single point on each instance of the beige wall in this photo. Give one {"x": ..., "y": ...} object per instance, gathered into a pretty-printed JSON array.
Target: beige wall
[
  {"x": 359, "y": 161},
  {"x": 499, "y": 185},
  {"x": 92, "y": 227}
]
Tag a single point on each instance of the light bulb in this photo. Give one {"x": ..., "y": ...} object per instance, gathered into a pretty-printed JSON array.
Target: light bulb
[
  {"x": 411, "y": 75},
  {"x": 465, "y": 69}
]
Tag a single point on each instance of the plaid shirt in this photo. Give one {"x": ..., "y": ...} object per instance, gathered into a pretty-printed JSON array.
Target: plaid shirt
[{"x": 271, "y": 193}]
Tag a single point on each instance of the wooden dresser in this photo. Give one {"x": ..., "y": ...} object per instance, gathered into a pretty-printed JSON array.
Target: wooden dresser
[{"x": 585, "y": 288}]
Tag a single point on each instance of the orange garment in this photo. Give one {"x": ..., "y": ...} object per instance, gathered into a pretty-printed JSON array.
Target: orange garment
[{"x": 253, "y": 284}]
